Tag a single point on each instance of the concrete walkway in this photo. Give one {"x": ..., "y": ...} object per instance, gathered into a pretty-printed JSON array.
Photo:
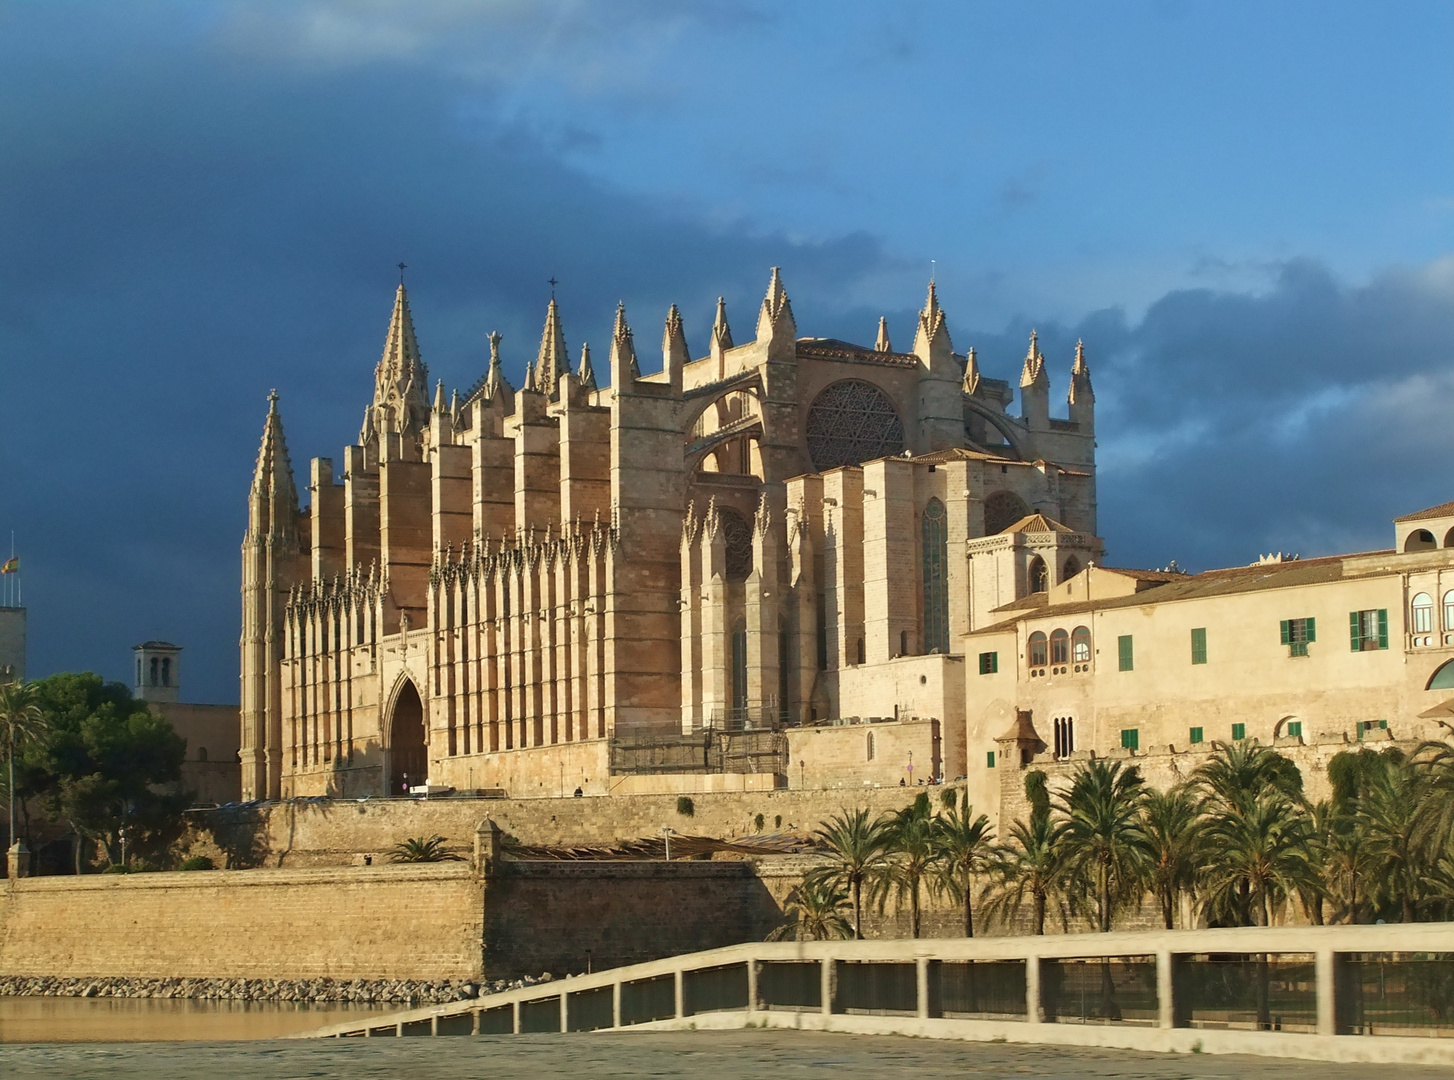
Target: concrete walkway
[{"x": 749, "y": 1055}]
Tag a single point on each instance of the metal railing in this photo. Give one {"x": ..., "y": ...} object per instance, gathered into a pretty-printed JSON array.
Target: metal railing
[{"x": 1353, "y": 993}]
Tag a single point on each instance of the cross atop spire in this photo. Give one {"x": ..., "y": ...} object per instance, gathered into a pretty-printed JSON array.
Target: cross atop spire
[
  {"x": 402, "y": 267},
  {"x": 400, "y": 379},
  {"x": 275, "y": 498},
  {"x": 1080, "y": 380}
]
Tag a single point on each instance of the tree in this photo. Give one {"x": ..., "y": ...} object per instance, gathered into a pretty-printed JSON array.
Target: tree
[
  {"x": 1170, "y": 823},
  {"x": 855, "y": 849},
  {"x": 1103, "y": 838},
  {"x": 419, "y": 849},
  {"x": 1031, "y": 866},
  {"x": 816, "y": 911},
  {"x": 912, "y": 852},
  {"x": 109, "y": 767},
  {"x": 1389, "y": 816},
  {"x": 965, "y": 844},
  {"x": 21, "y": 721},
  {"x": 1260, "y": 858}
]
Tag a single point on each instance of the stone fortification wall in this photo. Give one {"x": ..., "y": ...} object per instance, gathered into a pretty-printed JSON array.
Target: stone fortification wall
[
  {"x": 407, "y": 922},
  {"x": 331, "y": 832}
]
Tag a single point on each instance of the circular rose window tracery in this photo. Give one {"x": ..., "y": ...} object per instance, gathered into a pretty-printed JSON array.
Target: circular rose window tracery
[{"x": 852, "y": 422}]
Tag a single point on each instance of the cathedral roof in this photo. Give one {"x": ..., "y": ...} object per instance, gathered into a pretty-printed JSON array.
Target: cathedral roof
[
  {"x": 813, "y": 348},
  {"x": 1037, "y": 523},
  {"x": 1442, "y": 510}
]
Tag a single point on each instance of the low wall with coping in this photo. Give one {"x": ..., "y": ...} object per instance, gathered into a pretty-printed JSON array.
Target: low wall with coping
[{"x": 387, "y": 922}]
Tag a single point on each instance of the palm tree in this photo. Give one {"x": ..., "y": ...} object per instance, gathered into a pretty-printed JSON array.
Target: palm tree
[
  {"x": 855, "y": 849},
  {"x": 1032, "y": 866},
  {"x": 816, "y": 912},
  {"x": 1261, "y": 858},
  {"x": 1244, "y": 770},
  {"x": 1390, "y": 812},
  {"x": 1170, "y": 821},
  {"x": 912, "y": 852},
  {"x": 423, "y": 849},
  {"x": 1104, "y": 839},
  {"x": 21, "y": 719},
  {"x": 965, "y": 843}
]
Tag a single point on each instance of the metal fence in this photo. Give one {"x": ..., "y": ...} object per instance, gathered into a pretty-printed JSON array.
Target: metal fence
[{"x": 1370, "y": 993}]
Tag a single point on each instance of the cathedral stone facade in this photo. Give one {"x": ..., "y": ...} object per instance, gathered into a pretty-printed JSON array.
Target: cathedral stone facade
[{"x": 651, "y": 584}]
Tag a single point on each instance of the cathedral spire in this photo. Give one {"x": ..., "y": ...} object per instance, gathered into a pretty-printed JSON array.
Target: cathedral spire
[
  {"x": 585, "y": 373},
  {"x": 552, "y": 361},
  {"x": 777, "y": 309},
  {"x": 971, "y": 373},
  {"x": 931, "y": 337},
  {"x": 274, "y": 500},
  {"x": 675, "y": 355},
  {"x": 495, "y": 383},
  {"x": 400, "y": 381},
  {"x": 1082, "y": 398},
  {"x": 624, "y": 368},
  {"x": 883, "y": 344},
  {"x": 1033, "y": 373},
  {"x": 721, "y": 332}
]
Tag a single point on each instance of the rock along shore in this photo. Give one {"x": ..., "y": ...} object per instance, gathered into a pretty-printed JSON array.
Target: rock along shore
[{"x": 360, "y": 991}]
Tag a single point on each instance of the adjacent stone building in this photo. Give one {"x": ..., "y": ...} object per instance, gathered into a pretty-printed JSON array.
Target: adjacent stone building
[
  {"x": 725, "y": 573},
  {"x": 211, "y": 771}
]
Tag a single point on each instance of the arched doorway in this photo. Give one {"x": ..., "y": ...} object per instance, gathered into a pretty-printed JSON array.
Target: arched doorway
[{"x": 408, "y": 758}]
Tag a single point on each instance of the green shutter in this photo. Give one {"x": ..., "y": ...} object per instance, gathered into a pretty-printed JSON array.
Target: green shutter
[
  {"x": 1196, "y": 736},
  {"x": 1199, "y": 645},
  {"x": 1239, "y": 732},
  {"x": 1355, "y": 638},
  {"x": 989, "y": 759},
  {"x": 1125, "y": 652},
  {"x": 1286, "y": 634},
  {"x": 1383, "y": 628},
  {"x": 1131, "y": 738},
  {"x": 1312, "y": 629}
]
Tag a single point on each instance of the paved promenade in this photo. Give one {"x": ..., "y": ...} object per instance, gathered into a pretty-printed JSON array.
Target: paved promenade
[{"x": 748, "y": 1055}]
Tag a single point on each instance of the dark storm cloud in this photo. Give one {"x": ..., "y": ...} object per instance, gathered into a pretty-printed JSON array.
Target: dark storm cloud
[{"x": 211, "y": 231}]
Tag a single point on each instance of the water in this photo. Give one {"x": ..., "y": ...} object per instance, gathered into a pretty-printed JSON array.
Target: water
[{"x": 74, "y": 1020}]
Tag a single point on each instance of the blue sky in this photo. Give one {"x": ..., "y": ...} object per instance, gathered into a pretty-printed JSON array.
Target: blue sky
[{"x": 1246, "y": 210}]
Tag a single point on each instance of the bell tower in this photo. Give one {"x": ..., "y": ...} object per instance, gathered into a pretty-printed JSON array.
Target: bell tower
[{"x": 158, "y": 671}]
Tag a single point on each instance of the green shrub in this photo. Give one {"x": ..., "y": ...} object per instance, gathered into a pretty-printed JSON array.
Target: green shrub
[
  {"x": 685, "y": 806},
  {"x": 758, "y": 822},
  {"x": 197, "y": 862}
]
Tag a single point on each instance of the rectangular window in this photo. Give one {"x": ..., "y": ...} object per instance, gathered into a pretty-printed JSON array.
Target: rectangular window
[
  {"x": 1294, "y": 729},
  {"x": 1196, "y": 736},
  {"x": 1130, "y": 738},
  {"x": 989, "y": 760},
  {"x": 1298, "y": 634},
  {"x": 989, "y": 663},
  {"x": 1125, "y": 652},
  {"x": 1239, "y": 732},
  {"x": 1199, "y": 645},
  {"x": 1365, "y": 726},
  {"x": 1368, "y": 630}
]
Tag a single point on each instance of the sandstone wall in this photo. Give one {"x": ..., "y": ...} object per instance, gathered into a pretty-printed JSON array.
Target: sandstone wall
[
  {"x": 332, "y": 832},
  {"x": 383, "y": 922}
]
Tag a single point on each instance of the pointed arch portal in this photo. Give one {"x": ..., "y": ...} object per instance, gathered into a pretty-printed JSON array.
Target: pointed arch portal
[{"x": 408, "y": 757}]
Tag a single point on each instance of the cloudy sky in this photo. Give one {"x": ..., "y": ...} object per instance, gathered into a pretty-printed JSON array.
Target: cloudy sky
[{"x": 1246, "y": 210}]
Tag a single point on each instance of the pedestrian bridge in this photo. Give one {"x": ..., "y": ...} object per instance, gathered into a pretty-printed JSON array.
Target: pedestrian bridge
[{"x": 1334, "y": 993}]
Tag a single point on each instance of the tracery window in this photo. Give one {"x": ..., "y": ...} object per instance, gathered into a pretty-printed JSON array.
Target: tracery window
[
  {"x": 737, "y": 539},
  {"x": 1080, "y": 645},
  {"x": 1060, "y": 647},
  {"x": 936, "y": 585},
  {"x": 1039, "y": 575},
  {"x": 1001, "y": 510},
  {"x": 852, "y": 422}
]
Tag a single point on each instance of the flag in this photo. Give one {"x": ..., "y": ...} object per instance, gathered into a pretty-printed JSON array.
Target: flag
[{"x": 11, "y": 566}]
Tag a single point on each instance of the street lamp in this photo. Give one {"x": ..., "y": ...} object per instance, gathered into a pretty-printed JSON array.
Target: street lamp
[
  {"x": 666, "y": 833},
  {"x": 911, "y": 768}
]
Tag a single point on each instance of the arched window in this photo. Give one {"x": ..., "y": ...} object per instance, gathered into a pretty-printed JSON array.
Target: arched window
[
  {"x": 862, "y": 652},
  {"x": 1449, "y": 538},
  {"x": 870, "y": 746},
  {"x": 936, "y": 585},
  {"x": 1064, "y": 737},
  {"x": 1039, "y": 576},
  {"x": 739, "y": 669},
  {"x": 201, "y": 753},
  {"x": 1060, "y": 647},
  {"x": 1080, "y": 645},
  {"x": 1443, "y": 677},
  {"x": 155, "y": 665},
  {"x": 1449, "y": 610},
  {"x": 1001, "y": 510},
  {"x": 166, "y": 671},
  {"x": 1420, "y": 540},
  {"x": 1072, "y": 567},
  {"x": 903, "y": 643},
  {"x": 737, "y": 540},
  {"x": 1038, "y": 649},
  {"x": 1422, "y": 612}
]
